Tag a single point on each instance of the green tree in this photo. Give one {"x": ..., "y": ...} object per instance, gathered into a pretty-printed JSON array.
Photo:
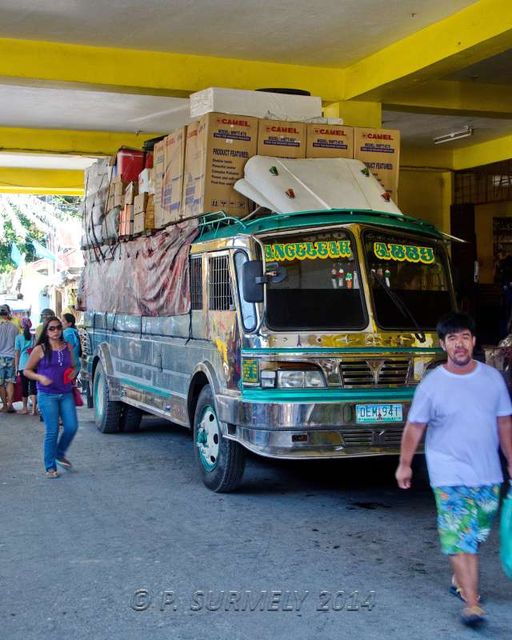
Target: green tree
[{"x": 24, "y": 244}]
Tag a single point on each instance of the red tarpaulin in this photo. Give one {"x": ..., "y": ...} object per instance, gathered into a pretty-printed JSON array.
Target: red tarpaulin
[{"x": 144, "y": 276}]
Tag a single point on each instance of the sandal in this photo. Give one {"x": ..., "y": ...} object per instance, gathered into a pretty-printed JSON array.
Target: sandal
[
  {"x": 473, "y": 616},
  {"x": 64, "y": 462},
  {"x": 456, "y": 591},
  {"x": 52, "y": 473}
]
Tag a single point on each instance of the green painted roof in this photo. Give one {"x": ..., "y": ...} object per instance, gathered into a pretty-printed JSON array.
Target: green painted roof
[{"x": 218, "y": 225}]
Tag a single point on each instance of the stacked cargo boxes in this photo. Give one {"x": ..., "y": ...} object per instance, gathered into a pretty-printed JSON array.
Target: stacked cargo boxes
[
  {"x": 329, "y": 141},
  {"x": 172, "y": 179},
  {"x": 195, "y": 167},
  {"x": 217, "y": 148},
  {"x": 379, "y": 149}
]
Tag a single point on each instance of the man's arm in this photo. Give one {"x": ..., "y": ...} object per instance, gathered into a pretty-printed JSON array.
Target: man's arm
[
  {"x": 411, "y": 437},
  {"x": 505, "y": 434}
]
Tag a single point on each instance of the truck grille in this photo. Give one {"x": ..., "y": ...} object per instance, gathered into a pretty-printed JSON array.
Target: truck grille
[
  {"x": 375, "y": 372},
  {"x": 372, "y": 437}
]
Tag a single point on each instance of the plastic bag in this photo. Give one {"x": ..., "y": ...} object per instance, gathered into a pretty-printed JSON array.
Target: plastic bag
[
  {"x": 77, "y": 397},
  {"x": 18, "y": 390},
  {"x": 506, "y": 534}
]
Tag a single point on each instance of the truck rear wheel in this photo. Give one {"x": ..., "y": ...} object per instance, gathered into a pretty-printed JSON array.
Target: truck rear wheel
[
  {"x": 221, "y": 461},
  {"x": 107, "y": 413}
]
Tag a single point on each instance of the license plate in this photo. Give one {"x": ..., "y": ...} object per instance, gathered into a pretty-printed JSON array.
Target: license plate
[{"x": 371, "y": 413}]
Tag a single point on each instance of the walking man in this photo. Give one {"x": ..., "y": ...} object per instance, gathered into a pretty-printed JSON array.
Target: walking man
[
  {"x": 8, "y": 333},
  {"x": 466, "y": 409}
]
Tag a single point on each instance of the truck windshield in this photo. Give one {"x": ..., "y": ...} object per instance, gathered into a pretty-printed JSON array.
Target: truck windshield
[
  {"x": 415, "y": 270},
  {"x": 319, "y": 287}
]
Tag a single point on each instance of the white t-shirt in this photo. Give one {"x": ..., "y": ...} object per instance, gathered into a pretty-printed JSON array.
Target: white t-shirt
[{"x": 461, "y": 412}]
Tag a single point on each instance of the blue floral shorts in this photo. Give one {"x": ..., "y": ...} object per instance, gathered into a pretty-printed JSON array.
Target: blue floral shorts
[
  {"x": 465, "y": 516},
  {"x": 7, "y": 373}
]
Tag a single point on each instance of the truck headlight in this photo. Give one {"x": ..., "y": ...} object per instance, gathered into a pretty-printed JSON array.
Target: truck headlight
[{"x": 300, "y": 379}]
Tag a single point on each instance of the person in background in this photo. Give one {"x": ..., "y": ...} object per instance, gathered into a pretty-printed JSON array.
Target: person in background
[
  {"x": 8, "y": 333},
  {"x": 22, "y": 349},
  {"x": 16, "y": 321},
  {"x": 465, "y": 407},
  {"x": 52, "y": 366},
  {"x": 46, "y": 314},
  {"x": 71, "y": 336}
]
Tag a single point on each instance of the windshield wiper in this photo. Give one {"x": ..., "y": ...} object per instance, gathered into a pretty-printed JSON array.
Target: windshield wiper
[{"x": 401, "y": 306}]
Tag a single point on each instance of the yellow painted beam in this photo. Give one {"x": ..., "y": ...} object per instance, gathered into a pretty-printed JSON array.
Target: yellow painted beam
[
  {"x": 16, "y": 140},
  {"x": 151, "y": 72},
  {"x": 479, "y": 31},
  {"x": 450, "y": 98},
  {"x": 41, "y": 181},
  {"x": 482, "y": 153}
]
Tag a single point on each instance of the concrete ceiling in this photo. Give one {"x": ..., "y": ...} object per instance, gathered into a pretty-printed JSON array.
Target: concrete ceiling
[
  {"x": 325, "y": 33},
  {"x": 318, "y": 32}
]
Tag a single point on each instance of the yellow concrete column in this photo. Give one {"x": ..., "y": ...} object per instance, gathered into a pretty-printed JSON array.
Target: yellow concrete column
[{"x": 356, "y": 113}]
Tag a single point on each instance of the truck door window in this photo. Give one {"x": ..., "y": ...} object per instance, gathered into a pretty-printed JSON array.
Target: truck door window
[
  {"x": 248, "y": 309},
  {"x": 220, "y": 297},
  {"x": 196, "y": 283}
]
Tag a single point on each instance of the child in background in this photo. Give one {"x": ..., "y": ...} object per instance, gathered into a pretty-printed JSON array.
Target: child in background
[
  {"x": 23, "y": 346},
  {"x": 70, "y": 335}
]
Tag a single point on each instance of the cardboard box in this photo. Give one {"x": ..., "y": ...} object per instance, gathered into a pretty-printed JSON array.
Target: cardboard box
[
  {"x": 149, "y": 214},
  {"x": 138, "y": 223},
  {"x": 146, "y": 181},
  {"x": 216, "y": 150},
  {"x": 379, "y": 149},
  {"x": 158, "y": 176},
  {"x": 258, "y": 104},
  {"x": 140, "y": 203},
  {"x": 116, "y": 193},
  {"x": 329, "y": 141},
  {"x": 126, "y": 221},
  {"x": 281, "y": 139},
  {"x": 130, "y": 192},
  {"x": 172, "y": 182}
]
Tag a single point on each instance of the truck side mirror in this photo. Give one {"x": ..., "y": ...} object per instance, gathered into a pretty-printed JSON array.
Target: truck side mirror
[{"x": 252, "y": 280}]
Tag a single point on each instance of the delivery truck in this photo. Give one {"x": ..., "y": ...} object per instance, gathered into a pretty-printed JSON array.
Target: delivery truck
[{"x": 297, "y": 332}]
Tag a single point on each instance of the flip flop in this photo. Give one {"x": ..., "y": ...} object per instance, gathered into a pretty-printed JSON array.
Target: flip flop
[{"x": 473, "y": 616}]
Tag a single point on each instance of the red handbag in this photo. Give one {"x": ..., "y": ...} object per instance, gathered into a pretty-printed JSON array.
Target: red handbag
[{"x": 77, "y": 397}]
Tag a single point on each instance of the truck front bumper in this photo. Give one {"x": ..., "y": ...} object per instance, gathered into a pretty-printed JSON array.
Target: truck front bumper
[{"x": 308, "y": 430}]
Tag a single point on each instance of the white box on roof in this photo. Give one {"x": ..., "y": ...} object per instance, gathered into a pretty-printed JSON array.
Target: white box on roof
[{"x": 260, "y": 104}]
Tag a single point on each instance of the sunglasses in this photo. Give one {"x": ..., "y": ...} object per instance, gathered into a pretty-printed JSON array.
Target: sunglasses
[{"x": 55, "y": 327}]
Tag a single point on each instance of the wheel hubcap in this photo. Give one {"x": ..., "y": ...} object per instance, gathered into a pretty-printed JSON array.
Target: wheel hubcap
[{"x": 208, "y": 439}]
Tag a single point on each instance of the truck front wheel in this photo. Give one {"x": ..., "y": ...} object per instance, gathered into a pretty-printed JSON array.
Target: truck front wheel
[
  {"x": 221, "y": 461},
  {"x": 107, "y": 412}
]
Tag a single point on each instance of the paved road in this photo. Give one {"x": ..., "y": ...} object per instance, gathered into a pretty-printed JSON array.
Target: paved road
[{"x": 131, "y": 545}]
